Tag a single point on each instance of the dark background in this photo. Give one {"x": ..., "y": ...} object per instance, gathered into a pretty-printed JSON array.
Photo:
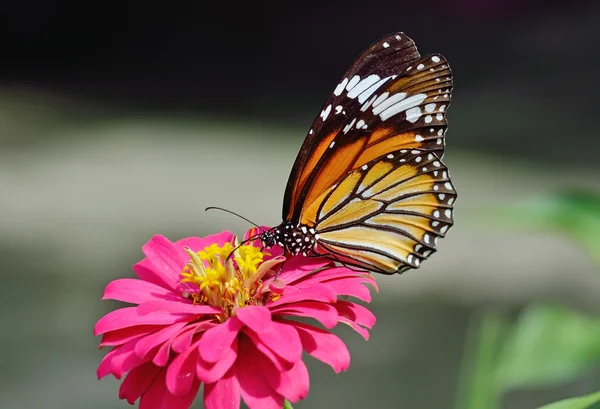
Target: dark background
[
  {"x": 533, "y": 64},
  {"x": 119, "y": 120}
]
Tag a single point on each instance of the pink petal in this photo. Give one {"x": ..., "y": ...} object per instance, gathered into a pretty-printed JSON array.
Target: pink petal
[
  {"x": 181, "y": 372},
  {"x": 209, "y": 372},
  {"x": 138, "y": 381},
  {"x": 281, "y": 339},
  {"x": 167, "y": 259},
  {"x": 145, "y": 270},
  {"x": 150, "y": 342},
  {"x": 119, "y": 360},
  {"x": 135, "y": 291},
  {"x": 121, "y": 336},
  {"x": 183, "y": 341},
  {"x": 215, "y": 341},
  {"x": 323, "y": 345},
  {"x": 326, "y": 314},
  {"x": 197, "y": 243},
  {"x": 292, "y": 384},
  {"x": 292, "y": 294},
  {"x": 161, "y": 357},
  {"x": 171, "y": 401},
  {"x": 361, "y": 330},
  {"x": 357, "y": 313},
  {"x": 337, "y": 273},
  {"x": 129, "y": 317},
  {"x": 223, "y": 394},
  {"x": 153, "y": 397},
  {"x": 298, "y": 267},
  {"x": 351, "y": 287},
  {"x": 254, "y": 388},
  {"x": 255, "y": 317},
  {"x": 280, "y": 364},
  {"x": 181, "y": 307},
  {"x": 105, "y": 367}
]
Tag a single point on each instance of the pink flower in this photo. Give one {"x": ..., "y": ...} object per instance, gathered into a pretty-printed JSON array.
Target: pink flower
[{"x": 204, "y": 317}]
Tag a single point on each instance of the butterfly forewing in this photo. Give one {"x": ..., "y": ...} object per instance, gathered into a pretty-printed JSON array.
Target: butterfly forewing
[
  {"x": 387, "y": 215},
  {"x": 381, "y": 60},
  {"x": 375, "y": 109}
]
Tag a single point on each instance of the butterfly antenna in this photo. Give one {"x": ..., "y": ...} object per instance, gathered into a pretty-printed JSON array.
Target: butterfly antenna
[
  {"x": 235, "y": 214},
  {"x": 240, "y": 245}
]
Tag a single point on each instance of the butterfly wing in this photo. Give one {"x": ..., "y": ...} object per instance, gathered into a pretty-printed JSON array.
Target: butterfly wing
[
  {"x": 387, "y": 215},
  {"x": 390, "y": 98}
]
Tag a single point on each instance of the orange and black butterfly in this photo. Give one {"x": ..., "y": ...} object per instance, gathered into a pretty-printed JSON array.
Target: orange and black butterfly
[{"x": 368, "y": 188}]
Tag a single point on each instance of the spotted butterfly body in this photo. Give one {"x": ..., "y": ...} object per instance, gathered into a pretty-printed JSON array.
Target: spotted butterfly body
[{"x": 368, "y": 188}]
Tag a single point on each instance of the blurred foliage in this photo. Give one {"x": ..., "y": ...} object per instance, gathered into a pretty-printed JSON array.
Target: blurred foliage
[
  {"x": 591, "y": 401},
  {"x": 574, "y": 212},
  {"x": 547, "y": 344}
]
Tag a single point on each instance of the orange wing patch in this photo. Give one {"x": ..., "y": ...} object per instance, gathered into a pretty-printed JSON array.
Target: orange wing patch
[{"x": 309, "y": 168}]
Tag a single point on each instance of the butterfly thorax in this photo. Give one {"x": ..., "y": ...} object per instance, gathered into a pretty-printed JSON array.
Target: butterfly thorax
[{"x": 294, "y": 239}]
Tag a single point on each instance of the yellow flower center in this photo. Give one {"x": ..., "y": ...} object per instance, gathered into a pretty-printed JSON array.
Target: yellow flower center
[{"x": 226, "y": 281}]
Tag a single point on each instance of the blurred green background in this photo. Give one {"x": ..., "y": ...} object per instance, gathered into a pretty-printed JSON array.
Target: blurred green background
[{"x": 127, "y": 120}]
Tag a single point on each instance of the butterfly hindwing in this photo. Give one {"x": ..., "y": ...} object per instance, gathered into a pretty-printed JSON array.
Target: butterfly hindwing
[{"x": 387, "y": 215}]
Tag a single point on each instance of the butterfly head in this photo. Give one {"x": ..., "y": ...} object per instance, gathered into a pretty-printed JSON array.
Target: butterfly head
[{"x": 269, "y": 238}]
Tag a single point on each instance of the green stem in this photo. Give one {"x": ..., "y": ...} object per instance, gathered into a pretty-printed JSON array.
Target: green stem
[
  {"x": 287, "y": 405},
  {"x": 477, "y": 388}
]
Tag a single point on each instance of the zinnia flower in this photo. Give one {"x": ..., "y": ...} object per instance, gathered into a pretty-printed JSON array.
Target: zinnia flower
[{"x": 205, "y": 317}]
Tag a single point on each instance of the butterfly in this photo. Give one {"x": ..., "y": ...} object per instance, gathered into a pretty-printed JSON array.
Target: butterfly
[{"x": 368, "y": 188}]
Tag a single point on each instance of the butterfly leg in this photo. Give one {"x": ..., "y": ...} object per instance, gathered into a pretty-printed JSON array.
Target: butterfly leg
[
  {"x": 316, "y": 255},
  {"x": 280, "y": 268}
]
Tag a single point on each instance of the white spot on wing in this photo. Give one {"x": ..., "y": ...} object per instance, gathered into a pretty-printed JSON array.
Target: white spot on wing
[
  {"x": 420, "y": 67},
  {"x": 385, "y": 45},
  {"x": 369, "y": 91},
  {"x": 380, "y": 99},
  {"x": 389, "y": 101},
  {"x": 326, "y": 112},
  {"x": 332, "y": 144},
  {"x": 419, "y": 138},
  {"x": 367, "y": 104},
  {"x": 413, "y": 114},
  {"x": 435, "y": 58},
  {"x": 362, "y": 85},
  {"x": 338, "y": 109},
  {"x": 338, "y": 90},
  {"x": 429, "y": 107},
  {"x": 349, "y": 126},
  {"x": 401, "y": 106},
  {"x": 353, "y": 82},
  {"x": 360, "y": 124}
]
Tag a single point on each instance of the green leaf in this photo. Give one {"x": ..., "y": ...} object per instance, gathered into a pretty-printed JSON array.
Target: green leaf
[
  {"x": 575, "y": 212},
  {"x": 591, "y": 401},
  {"x": 549, "y": 344},
  {"x": 477, "y": 387},
  {"x": 287, "y": 405}
]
